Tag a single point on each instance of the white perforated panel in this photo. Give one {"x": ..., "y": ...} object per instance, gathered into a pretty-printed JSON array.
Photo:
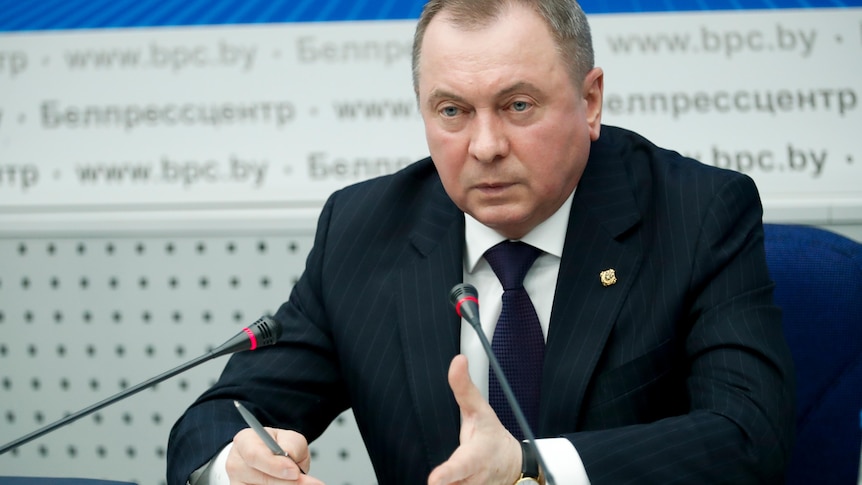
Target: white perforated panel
[{"x": 82, "y": 318}]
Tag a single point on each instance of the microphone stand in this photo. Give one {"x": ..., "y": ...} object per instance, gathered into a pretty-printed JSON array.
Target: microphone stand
[
  {"x": 264, "y": 328},
  {"x": 465, "y": 299},
  {"x": 513, "y": 403},
  {"x": 106, "y": 402}
]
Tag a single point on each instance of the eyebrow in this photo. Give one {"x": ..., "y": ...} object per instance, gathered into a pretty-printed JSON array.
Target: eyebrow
[
  {"x": 519, "y": 86},
  {"x": 438, "y": 94}
]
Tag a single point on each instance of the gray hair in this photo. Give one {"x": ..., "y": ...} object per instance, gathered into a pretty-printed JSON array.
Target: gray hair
[{"x": 564, "y": 18}]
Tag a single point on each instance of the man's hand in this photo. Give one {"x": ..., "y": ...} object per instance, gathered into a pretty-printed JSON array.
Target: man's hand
[
  {"x": 250, "y": 462},
  {"x": 488, "y": 453}
]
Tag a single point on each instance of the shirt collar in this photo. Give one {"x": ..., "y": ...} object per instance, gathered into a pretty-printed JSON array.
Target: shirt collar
[{"x": 549, "y": 236}]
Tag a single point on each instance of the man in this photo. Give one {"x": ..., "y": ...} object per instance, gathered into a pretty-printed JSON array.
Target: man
[{"x": 664, "y": 360}]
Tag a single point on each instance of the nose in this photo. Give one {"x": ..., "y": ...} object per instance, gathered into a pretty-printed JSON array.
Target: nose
[{"x": 488, "y": 141}]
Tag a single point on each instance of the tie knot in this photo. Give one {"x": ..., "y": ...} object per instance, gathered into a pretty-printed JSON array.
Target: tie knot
[{"x": 510, "y": 261}]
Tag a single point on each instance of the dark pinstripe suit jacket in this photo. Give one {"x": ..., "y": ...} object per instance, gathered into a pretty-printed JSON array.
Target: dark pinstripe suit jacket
[{"x": 678, "y": 373}]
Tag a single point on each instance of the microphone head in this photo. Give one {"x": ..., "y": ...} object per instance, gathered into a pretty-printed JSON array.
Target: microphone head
[
  {"x": 465, "y": 299},
  {"x": 461, "y": 291},
  {"x": 264, "y": 332}
]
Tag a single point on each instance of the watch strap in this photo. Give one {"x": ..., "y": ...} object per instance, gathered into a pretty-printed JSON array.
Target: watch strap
[{"x": 529, "y": 461}]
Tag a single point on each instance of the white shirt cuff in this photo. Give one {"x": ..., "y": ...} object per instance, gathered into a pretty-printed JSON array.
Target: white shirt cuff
[
  {"x": 563, "y": 461},
  {"x": 214, "y": 472}
]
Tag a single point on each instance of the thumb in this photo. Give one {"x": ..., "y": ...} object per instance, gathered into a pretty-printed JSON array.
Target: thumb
[{"x": 466, "y": 393}]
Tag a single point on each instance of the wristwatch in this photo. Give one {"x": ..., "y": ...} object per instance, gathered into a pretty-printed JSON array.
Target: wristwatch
[{"x": 529, "y": 466}]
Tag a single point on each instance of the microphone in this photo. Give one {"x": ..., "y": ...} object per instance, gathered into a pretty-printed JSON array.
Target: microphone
[
  {"x": 465, "y": 299},
  {"x": 263, "y": 332}
]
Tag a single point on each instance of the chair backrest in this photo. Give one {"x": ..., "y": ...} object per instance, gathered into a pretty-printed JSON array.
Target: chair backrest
[{"x": 818, "y": 285}]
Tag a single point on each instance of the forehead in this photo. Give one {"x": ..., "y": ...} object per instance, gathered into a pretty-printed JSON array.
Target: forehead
[{"x": 517, "y": 46}]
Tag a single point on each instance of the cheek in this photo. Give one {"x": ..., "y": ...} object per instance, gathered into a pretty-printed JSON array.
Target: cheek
[
  {"x": 556, "y": 156},
  {"x": 448, "y": 156},
  {"x": 447, "y": 150}
]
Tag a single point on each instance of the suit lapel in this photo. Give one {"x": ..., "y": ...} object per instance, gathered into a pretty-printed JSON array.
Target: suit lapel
[
  {"x": 430, "y": 328},
  {"x": 604, "y": 211}
]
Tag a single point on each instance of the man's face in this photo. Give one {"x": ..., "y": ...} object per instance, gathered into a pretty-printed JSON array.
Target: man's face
[{"x": 507, "y": 128}]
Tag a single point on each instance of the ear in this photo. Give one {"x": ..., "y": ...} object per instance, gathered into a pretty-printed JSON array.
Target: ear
[{"x": 593, "y": 92}]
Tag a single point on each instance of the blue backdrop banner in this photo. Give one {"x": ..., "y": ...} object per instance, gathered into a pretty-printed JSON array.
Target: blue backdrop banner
[{"x": 102, "y": 14}]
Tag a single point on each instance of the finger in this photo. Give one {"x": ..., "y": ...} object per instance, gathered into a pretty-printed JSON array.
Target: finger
[
  {"x": 250, "y": 476},
  {"x": 467, "y": 395},
  {"x": 308, "y": 480},
  {"x": 459, "y": 467},
  {"x": 494, "y": 459},
  {"x": 463, "y": 462},
  {"x": 251, "y": 461},
  {"x": 239, "y": 471},
  {"x": 295, "y": 445}
]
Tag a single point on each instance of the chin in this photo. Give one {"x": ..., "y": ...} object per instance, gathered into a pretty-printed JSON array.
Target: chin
[{"x": 506, "y": 224}]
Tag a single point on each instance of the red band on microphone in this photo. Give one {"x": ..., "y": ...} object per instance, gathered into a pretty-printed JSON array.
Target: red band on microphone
[
  {"x": 458, "y": 306},
  {"x": 251, "y": 337}
]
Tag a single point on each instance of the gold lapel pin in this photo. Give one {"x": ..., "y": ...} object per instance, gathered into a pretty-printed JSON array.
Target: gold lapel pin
[{"x": 608, "y": 277}]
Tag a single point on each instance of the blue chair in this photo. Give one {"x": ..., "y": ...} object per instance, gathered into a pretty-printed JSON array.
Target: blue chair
[{"x": 818, "y": 285}]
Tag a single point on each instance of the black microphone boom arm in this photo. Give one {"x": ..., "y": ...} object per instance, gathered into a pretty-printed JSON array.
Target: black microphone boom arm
[
  {"x": 265, "y": 331},
  {"x": 465, "y": 298}
]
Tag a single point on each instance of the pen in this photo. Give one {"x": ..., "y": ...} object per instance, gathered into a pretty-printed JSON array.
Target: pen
[{"x": 258, "y": 428}]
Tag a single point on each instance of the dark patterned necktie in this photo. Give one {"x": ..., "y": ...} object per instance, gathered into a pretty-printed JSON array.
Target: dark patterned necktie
[{"x": 518, "y": 342}]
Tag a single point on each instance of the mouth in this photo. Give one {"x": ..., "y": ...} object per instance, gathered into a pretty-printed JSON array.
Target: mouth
[{"x": 492, "y": 188}]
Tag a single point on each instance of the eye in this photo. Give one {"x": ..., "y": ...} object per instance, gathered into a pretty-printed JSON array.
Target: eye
[
  {"x": 520, "y": 106},
  {"x": 450, "y": 111}
]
